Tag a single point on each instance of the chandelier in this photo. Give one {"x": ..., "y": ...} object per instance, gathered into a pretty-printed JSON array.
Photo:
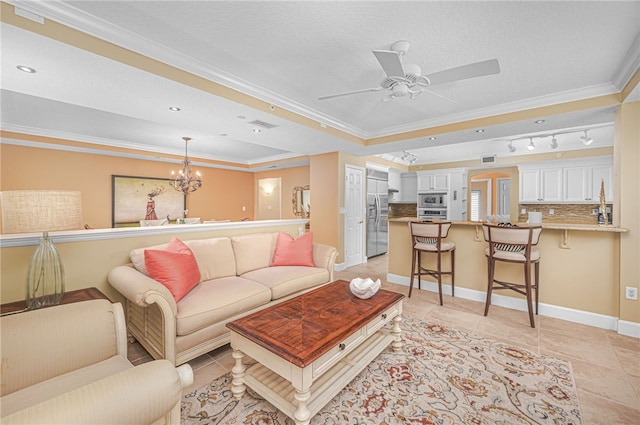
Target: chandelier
[{"x": 185, "y": 181}]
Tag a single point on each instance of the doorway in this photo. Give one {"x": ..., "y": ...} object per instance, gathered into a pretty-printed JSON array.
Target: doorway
[
  {"x": 269, "y": 199},
  {"x": 354, "y": 212}
]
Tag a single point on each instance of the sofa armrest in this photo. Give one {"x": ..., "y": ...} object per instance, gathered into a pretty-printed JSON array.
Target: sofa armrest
[
  {"x": 140, "y": 395},
  {"x": 139, "y": 288},
  {"x": 325, "y": 256}
]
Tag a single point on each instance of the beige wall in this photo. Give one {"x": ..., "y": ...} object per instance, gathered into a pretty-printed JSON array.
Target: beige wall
[
  {"x": 222, "y": 195},
  {"x": 290, "y": 178},
  {"x": 627, "y": 179}
]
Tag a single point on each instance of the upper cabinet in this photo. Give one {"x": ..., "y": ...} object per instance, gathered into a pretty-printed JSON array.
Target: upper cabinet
[
  {"x": 394, "y": 180},
  {"x": 433, "y": 182},
  {"x": 541, "y": 185},
  {"x": 409, "y": 187},
  {"x": 583, "y": 183},
  {"x": 576, "y": 181}
]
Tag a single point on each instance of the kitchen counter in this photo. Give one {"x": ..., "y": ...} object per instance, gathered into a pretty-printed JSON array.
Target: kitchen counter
[
  {"x": 578, "y": 270},
  {"x": 550, "y": 226}
]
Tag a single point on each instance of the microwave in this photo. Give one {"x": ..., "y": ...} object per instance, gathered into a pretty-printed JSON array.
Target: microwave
[{"x": 432, "y": 200}]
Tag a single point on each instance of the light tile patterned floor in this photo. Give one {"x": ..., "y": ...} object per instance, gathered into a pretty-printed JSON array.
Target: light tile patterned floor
[{"x": 606, "y": 365}]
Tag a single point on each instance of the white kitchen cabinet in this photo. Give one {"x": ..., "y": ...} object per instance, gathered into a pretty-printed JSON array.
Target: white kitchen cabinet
[
  {"x": 541, "y": 185},
  {"x": 408, "y": 187},
  {"x": 394, "y": 180},
  {"x": 573, "y": 181},
  {"x": 432, "y": 182},
  {"x": 598, "y": 174},
  {"x": 583, "y": 183}
]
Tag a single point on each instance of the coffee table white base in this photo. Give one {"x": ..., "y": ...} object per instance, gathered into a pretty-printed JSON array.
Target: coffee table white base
[{"x": 300, "y": 392}]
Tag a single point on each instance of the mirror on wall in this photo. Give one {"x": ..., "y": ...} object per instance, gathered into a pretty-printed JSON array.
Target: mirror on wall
[{"x": 301, "y": 201}]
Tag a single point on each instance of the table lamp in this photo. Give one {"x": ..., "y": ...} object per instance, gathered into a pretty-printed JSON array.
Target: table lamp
[{"x": 29, "y": 211}]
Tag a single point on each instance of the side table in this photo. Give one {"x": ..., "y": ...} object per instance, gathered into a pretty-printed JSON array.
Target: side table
[{"x": 78, "y": 295}]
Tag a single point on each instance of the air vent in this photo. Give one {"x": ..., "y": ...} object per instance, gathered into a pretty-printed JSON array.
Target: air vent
[
  {"x": 490, "y": 159},
  {"x": 263, "y": 124}
]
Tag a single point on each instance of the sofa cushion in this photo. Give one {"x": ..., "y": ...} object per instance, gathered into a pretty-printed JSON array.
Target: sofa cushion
[
  {"x": 287, "y": 280},
  {"x": 62, "y": 384},
  {"x": 214, "y": 256},
  {"x": 216, "y": 300},
  {"x": 176, "y": 268},
  {"x": 293, "y": 252},
  {"x": 253, "y": 251}
]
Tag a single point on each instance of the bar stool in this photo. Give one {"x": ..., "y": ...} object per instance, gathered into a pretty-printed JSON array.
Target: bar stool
[
  {"x": 513, "y": 244},
  {"x": 427, "y": 237}
]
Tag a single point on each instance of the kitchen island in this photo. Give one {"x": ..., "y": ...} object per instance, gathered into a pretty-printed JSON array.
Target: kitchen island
[{"x": 579, "y": 278}]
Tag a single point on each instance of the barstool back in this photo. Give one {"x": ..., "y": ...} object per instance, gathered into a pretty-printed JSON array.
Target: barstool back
[
  {"x": 512, "y": 243},
  {"x": 428, "y": 235}
]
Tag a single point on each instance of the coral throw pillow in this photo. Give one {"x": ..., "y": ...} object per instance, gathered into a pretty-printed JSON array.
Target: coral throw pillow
[
  {"x": 294, "y": 252},
  {"x": 175, "y": 267}
]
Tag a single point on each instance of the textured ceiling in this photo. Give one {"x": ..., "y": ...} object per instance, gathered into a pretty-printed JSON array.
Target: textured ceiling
[{"x": 289, "y": 53}]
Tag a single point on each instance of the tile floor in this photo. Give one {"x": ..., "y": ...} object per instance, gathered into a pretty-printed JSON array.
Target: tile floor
[{"x": 606, "y": 366}]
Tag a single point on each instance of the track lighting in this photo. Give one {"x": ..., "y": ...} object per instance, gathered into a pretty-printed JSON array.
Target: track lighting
[
  {"x": 510, "y": 146},
  {"x": 586, "y": 139},
  {"x": 409, "y": 157},
  {"x": 531, "y": 146},
  {"x": 554, "y": 142}
]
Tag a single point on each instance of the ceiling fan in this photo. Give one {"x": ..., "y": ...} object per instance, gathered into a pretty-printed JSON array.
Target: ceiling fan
[{"x": 407, "y": 79}]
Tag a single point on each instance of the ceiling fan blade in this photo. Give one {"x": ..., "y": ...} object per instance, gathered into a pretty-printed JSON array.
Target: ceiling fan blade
[
  {"x": 390, "y": 62},
  {"x": 331, "y": 96},
  {"x": 472, "y": 70},
  {"x": 436, "y": 94}
]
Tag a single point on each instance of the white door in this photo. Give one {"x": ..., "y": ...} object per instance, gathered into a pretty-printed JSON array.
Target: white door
[
  {"x": 354, "y": 190},
  {"x": 504, "y": 196}
]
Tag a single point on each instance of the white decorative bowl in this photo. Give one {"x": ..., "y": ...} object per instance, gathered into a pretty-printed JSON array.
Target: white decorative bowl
[{"x": 364, "y": 288}]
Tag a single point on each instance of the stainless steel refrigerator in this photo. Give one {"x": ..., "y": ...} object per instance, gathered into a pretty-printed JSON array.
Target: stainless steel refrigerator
[{"x": 377, "y": 212}]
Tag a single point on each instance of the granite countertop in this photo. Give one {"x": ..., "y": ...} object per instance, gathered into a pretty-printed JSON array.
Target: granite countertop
[{"x": 551, "y": 226}]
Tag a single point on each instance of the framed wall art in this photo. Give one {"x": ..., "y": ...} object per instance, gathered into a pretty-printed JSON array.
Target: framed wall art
[{"x": 148, "y": 199}]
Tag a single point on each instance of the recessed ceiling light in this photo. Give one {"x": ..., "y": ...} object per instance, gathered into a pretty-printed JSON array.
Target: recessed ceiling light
[
  {"x": 538, "y": 121},
  {"x": 242, "y": 117},
  {"x": 174, "y": 108},
  {"x": 481, "y": 130},
  {"x": 26, "y": 69},
  {"x": 223, "y": 134},
  {"x": 432, "y": 138},
  {"x": 256, "y": 130}
]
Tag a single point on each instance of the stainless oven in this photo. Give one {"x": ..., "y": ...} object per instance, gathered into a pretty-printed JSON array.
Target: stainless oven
[
  {"x": 432, "y": 200},
  {"x": 432, "y": 213}
]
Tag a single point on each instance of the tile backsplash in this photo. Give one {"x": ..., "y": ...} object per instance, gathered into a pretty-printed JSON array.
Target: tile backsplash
[
  {"x": 402, "y": 209},
  {"x": 563, "y": 213}
]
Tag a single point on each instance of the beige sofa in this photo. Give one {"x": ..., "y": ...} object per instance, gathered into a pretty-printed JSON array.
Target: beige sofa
[
  {"x": 68, "y": 365},
  {"x": 236, "y": 279}
]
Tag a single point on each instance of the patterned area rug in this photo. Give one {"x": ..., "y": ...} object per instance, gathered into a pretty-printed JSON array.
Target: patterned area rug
[{"x": 442, "y": 376}]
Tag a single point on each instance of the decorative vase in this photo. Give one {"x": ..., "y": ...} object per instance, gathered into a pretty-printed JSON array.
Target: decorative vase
[{"x": 45, "y": 278}]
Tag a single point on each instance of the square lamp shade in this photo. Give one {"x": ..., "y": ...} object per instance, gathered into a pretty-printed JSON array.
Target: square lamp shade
[{"x": 29, "y": 211}]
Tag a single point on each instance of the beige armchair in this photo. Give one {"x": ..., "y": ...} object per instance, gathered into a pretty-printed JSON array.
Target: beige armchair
[{"x": 68, "y": 365}]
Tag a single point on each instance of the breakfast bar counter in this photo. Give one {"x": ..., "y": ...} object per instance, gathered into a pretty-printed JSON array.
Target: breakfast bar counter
[{"x": 578, "y": 269}]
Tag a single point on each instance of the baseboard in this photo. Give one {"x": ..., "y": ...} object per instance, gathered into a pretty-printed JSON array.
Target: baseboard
[
  {"x": 549, "y": 310},
  {"x": 629, "y": 328}
]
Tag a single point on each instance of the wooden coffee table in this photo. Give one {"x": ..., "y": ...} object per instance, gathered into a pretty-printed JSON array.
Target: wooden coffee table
[{"x": 309, "y": 348}]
